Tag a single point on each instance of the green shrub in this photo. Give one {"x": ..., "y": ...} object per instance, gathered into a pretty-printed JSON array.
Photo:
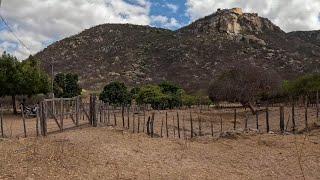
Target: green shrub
[{"x": 116, "y": 93}]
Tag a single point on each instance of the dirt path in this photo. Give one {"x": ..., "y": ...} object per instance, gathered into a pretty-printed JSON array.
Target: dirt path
[{"x": 107, "y": 153}]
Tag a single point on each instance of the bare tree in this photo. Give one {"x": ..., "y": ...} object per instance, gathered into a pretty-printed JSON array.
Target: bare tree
[{"x": 244, "y": 84}]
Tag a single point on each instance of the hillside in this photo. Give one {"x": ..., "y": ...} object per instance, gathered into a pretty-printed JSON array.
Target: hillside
[{"x": 190, "y": 56}]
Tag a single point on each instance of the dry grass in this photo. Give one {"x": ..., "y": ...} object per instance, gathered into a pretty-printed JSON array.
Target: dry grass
[{"x": 107, "y": 153}]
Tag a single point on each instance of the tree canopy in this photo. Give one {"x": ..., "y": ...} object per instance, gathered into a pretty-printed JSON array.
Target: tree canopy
[
  {"x": 304, "y": 85},
  {"x": 116, "y": 93},
  {"x": 66, "y": 85},
  {"x": 165, "y": 95},
  {"x": 21, "y": 78},
  {"x": 244, "y": 84}
]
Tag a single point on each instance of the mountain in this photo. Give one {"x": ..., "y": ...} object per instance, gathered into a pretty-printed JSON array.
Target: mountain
[
  {"x": 190, "y": 56},
  {"x": 312, "y": 37}
]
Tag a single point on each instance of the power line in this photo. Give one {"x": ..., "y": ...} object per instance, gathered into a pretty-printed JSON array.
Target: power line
[{"x": 12, "y": 32}]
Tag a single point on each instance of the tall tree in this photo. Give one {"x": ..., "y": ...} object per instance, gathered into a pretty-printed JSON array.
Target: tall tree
[
  {"x": 21, "y": 78},
  {"x": 66, "y": 85}
]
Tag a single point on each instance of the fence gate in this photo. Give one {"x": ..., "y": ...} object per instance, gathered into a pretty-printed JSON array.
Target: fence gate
[{"x": 59, "y": 114}]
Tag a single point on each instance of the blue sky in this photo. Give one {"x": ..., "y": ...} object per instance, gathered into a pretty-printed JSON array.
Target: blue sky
[
  {"x": 39, "y": 23},
  {"x": 165, "y": 8}
]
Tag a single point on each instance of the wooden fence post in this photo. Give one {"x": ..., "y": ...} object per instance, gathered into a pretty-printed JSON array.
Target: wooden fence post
[
  {"x": 306, "y": 112},
  {"x": 93, "y": 111},
  {"x": 282, "y": 118},
  {"x": 184, "y": 127},
  {"x": 133, "y": 122},
  {"x": 221, "y": 125},
  {"x": 148, "y": 126},
  {"x": 128, "y": 120},
  {"x": 24, "y": 121},
  {"x": 211, "y": 123},
  {"x": 199, "y": 119},
  {"x": 161, "y": 127},
  {"x": 61, "y": 114},
  {"x": 267, "y": 119},
  {"x": 174, "y": 127},
  {"x": 318, "y": 111},
  {"x": 235, "y": 120},
  {"x": 44, "y": 118},
  {"x": 122, "y": 114},
  {"x": 114, "y": 116},
  {"x": 178, "y": 123},
  {"x": 293, "y": 117},
  {"x": 191, "y": 125},
  {"x": 138, "y": 124},
  {"x": 246, "y": 122},
  {"x": 167, "y": 131},
  {"x": 77, "y": 112},
  {"x": 144, "y": 117},
  {"x": 37, "y": 119},
  {"x": 257, "y": 120},
  {"x": 152, "y": 125},
  {"x": 1, "y": 121},
  {"x": 108, "y": 114}
]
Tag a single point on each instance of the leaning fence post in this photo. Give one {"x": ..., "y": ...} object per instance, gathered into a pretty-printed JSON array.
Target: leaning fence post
[
  {"x": 1, "y": 121},
  {"x": 282, "y": 118}
]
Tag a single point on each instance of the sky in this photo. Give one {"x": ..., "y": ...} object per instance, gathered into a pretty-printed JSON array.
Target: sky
[{"x": 39, "y": 23}]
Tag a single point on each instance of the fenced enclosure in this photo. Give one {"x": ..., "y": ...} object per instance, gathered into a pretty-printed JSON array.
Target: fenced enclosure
[{"x": 57, "y": 115}]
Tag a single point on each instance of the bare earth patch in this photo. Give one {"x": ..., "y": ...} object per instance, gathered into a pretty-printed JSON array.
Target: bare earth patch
[{"x": 107, "y": 153}]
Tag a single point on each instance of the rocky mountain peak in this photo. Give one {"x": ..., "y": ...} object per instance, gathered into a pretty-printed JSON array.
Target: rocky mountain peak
[{"x": 233, "y": 21}]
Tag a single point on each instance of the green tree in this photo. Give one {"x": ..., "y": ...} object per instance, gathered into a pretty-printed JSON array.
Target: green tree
[
  {"x": 302, "y": 86},
  {"x": 153, "y": 95},
  {"x": 116, "y": 93},
  {"x": 66, "y": 85},
  {"x": 21, "y": 78}
]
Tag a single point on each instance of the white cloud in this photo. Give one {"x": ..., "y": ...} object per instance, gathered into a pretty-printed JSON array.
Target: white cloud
[
  {"x": 39, "y": 22},
  {"x": 174, "y": 8},
  {"x": 290, "y": 15},
  {"x": 166, "y": 22}
]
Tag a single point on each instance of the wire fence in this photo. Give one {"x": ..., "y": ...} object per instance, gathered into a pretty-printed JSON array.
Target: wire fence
[{"x": 57, "y": 115}]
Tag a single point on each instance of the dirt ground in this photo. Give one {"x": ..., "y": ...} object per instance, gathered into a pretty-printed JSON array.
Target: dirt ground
[{"x": 108, "y": 153}]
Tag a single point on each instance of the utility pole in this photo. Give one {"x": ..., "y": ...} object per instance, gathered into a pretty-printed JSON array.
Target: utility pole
[{"x": 52, "y": 77}]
